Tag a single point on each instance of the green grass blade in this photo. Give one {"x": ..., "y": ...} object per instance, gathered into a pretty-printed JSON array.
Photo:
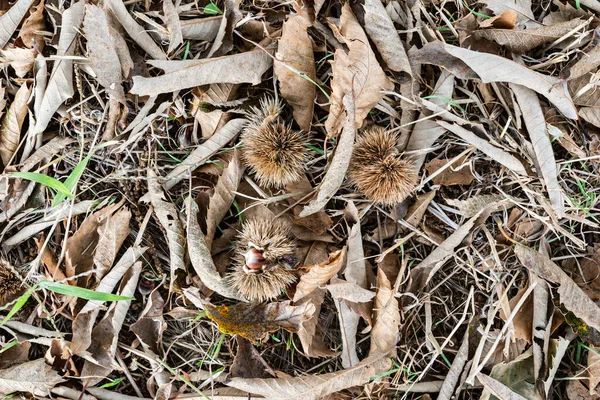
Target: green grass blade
[
  {"x": 72, "y": 180},
  {"x": 18, "y": 305},
  {"x": 44, "y": 180},
  {"x": 82, "y": 293}
]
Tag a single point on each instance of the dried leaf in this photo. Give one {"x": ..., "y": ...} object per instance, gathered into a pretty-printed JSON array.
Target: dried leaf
[
  {"x": 222, "y": 198},
  {"x": 151, "y": 324},
  {"x": 573, "y": 298},
  {"x": 173, "y": 25},
  {"x": 536, "y": 126},
  {"x": 204, "y": 151},
  {"x": 169, "y": 219},
  {"x": 348, "y": 328},
  {"x": 506, "y": 20},
  {"x": 381, "y": 30},
  {"x": 105, "y": 335},
  {"x": 336, "y": 172},
  {"x": 20, "y": 59},
  {"x": 521, "y": 41},
  {"x": 589, "y": 61},
  {"x": 521, "y": 7},
  {"x": 434, "y": 53},
  {"x": 255, "y": 321},
  {"x": 492, "y": 68},
  {"x": 386, "y": 312},
  {"x": 499, "y": 389},
  {"x": 495, "y": 153},
  {"x": 201, "y": 258},
  {"x": 211, "y": 121},
  {"x": 415, "y": 213},
  {"x": 111, "y": 236},
  {"x": 34, "y": 24},
  {"x": 458, "y": 173},
  {"x": 295, "y": 69},
  {"x": 356, "y": 72},
  {"x": 319, "y": 274},
  {"x": 472, "y": 205},
  {"x": 11, "y": 19},
  {"x": 310, "y": 334},
  {"x": 10, "y": 131},
  {"x": 248, "y": 363},
  {"x": 245, "y": 67},
  {"x": 35, "y": 377},
  {"x": 60, "y": 84},
  {"x": 349, "y": 291},
  {"x": 201, "y": 28},
  {"x": 314, "y": 387}
]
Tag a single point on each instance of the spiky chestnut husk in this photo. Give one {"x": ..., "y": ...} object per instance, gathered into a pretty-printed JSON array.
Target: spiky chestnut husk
[
  {"x": 264, "y": 261},
  {"x": 274, "y": 151},
  {"x": 10, "y": 284},
  {"x": 378, "y": 170}
]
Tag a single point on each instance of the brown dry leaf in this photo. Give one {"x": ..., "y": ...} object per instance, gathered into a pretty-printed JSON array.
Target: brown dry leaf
[
  {"x": 105, "y": 335},
  {"x": 336, "y": 172},
  {"x": 34, "y": 24},
  {"x": 349, "y": 291},
  {"x": 245, "y": 67},
  {"x": 434, "y": 53},
  {"x": 386, "y": 313},
  {"x": 414, "y": 214},
  {"x": 102, "y": 53},
  {"x": 492, "y": 68},
  {"x": 356, "y": 72},
  {"x": 135, "y": 31},
  {"x": 521, "y": 41},
  {"x": 536, "y": 126},
  {"x": 201, "y": 258},
  {"x": 589, "y": 61},
  {"x": 10, "y": 130},
  {"x": 17, "y": 354},
  {"x": 255, "y": 321},
  {"x": 201, "y": 28},
  {"x": 20, "y": 59},
  {"x": 499, "y": 389},
  {"x": 573, "y": 298},
  {"x": 248, "y": 363},
  {"x": 426, "y": 131},
  {"x": 381, "y": 30},
  {"x": 150, "y": 326},
  {"x": 173, "y": 25},
  {"x": 576, "y": 391},
  {"x": 168, "y": 217},
  {"x": 348, "y": 320},
  {"x": 506, "y": 20},
  {"x": 521, "y": 7},
  {"x": 495, "y": 153},
  {"x": 84, "y": 321},
  {"x": 60, "y": 83},
  {"x": 111, "y": 236},
  {"x": 211, "y": 121},
  {"x": 310, "y": 334},
  {"x": 320, "y": 274},
  {"x": 204, "y": 151},
  {"x": 11, "y": 19},
  {"x": 522, "y": 320},
  {"x": 458, "y": 173},
  {"x": 472, "y": 205},
  {"x": 315, "y": 387},
  {"x": 35, "y": 377},
  {"x": 295, "y": 68},
  {"x": 566, "y": 141},
  {"x": 222, "y": 199},
  {"x": 318, "y": 222}
]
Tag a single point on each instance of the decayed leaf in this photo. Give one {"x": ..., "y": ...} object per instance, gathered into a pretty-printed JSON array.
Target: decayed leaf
[
  {"x": 20, "y": 59},
  {"x": 426, "y": 131},
  {"x": 11, "y": 19},
  {"x": 204, "y": 151},
  {"x": 314, "y": 387},
  {"x": 212, "y": 120},
  {"x": 499, "y": 389},
  {"x": 255, "y": 321},
  {"x": 521, "y": 41},
  {"x": 319, "y": 274},
  {"x": 536, "y": 126},
  {"x": 60, "y": 83},
  {"x": 222, "y": 198},
  {"x": 492, "y": 68},
  {"x": 458, "y": 173},
  {"x": 295, "y": 62},
  {"x": 381, "y": 30},
  {"x": 84, "y": 321},
  {"x": 111, "y": 236},
  {"x": 415, "y": 213},
  {"x": 589, "y": 61},
  {"x": 151, "y": 324},
  {"x": 201, "y": 258},
  {"x": 310, "y": 334},
  {"x": 248, "y": 363},
  {"x": 10, "y": 131},
  {"x": 173, "y": 25},
  {"x": 336, "y": 172},
  {"x": 245, "y": 67},
  {"x": 102, "y": 54},
  {"x": 496, "y": 153},
  {"x": 33, "y": 24},
  {"x": 356, "y": 72},
  {"x": 573, "y": 298},
  {"x": 386, "y": 312},
  {"x": 472, "y": 205},
  {"x": 135, "y": 31},
  {"x": 35, "y": 377},
  {"x": 169, "y": 219},
  {"x": 106, "y": 334}
]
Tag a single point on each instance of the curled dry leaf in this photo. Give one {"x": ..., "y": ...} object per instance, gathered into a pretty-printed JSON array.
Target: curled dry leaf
[
  {"x": 245, "y": 67},
  {"x": 204, "y": 151},
  {"x": 336, "y": 172},
  {"x": 34, "y": 24},
  {"x": 151, "y": 324},
  {"x": 10, "y": 130},
  {"x": 11, "y": 19},
  {"x": 255, "y": 321},
  {"x": 320, "y": 274},
  {"x": 20, "y": 59},
  {"x": 536, "y": 126},
  {"x": 521, "y": 7},
  {"x": 357, "y": 72},
  {"x": 212, "y": 120},
  {"x": 573, "y": 298},
  {"x": 310, "y": 334},
  {"x": 169, "y": 219},
  {"x": 35, "y": 377},
  {"x": 295, "y": 68},
  {"x": 201, "y": 258}
]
